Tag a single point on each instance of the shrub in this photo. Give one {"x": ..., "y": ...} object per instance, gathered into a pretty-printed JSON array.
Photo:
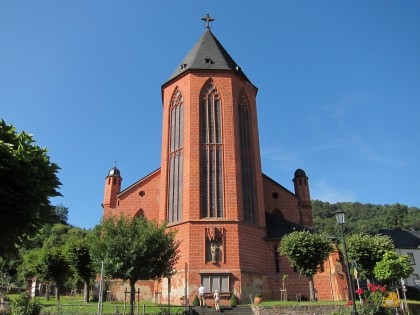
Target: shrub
[
  {"x": 24, "y": 305},
  {"x": 372, "y": 302},
  {"x": 233, "y": 300},
  {"x": 196, "y": 301}
]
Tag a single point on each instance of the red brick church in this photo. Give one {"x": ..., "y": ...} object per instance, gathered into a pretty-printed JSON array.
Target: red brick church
[{"x": 211, "y": 189}]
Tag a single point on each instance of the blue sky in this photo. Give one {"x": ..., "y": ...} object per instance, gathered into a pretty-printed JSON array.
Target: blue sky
[{"x": 339, "y": 89}]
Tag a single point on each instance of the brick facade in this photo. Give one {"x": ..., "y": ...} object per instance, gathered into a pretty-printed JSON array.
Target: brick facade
[{"x": 243, "y": 261}]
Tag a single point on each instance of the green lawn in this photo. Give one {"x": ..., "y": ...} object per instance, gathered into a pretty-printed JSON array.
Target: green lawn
[{"x": 71, "y": 306}]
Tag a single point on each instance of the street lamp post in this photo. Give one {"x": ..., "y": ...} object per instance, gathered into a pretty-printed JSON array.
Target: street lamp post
[
  {"x": 339, "y": 215},
  {"x": 169, "y": 276}
]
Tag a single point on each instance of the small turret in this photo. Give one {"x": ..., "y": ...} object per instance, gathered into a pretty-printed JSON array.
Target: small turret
[
  {"x": 112, "y": 188},
  {"x": 302, "y": 192}
]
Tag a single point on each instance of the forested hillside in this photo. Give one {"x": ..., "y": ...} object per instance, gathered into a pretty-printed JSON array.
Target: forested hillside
[{"x": 365, "y": 218}]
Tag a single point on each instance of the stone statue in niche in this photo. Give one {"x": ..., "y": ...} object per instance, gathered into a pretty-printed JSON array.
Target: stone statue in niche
[
  {"x": 213, "y": 248},
  {"x": 214, "y": 245}
]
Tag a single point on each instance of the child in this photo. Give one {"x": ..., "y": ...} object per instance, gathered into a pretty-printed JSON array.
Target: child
[{"x": 216, "y": 297}]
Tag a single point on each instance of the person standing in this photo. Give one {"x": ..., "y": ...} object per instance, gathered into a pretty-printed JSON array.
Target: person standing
[
  {"x": 216, "y": 297},
  {"x": 201, "y": 294}
]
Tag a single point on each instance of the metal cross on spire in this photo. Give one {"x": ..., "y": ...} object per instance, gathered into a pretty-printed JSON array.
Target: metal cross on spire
[{"x": 208, "y": 19}]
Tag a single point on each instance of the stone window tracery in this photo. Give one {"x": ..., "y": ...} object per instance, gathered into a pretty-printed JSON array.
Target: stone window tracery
[
  {"x": 176, "y": 157},
  {"x": 211, "y": 159},
  {"x": 247, "y": 158}
]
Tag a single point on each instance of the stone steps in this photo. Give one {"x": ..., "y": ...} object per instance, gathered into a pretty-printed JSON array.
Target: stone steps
[{"x": 226, "y": 310}]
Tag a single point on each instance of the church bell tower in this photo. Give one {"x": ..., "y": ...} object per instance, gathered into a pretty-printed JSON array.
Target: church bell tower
[{"x": 211, "y": 166}]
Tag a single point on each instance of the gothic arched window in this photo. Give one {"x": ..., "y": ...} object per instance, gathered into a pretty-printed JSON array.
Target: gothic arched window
[
  {"x": 176, "y": 129},
  {"x": 247, "y": 167},
  {"x": 211, "y": 158}
]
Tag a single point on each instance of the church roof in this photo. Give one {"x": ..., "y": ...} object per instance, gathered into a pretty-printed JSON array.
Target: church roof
[
  {"x": 403, "y": 238},
  {"x": 208, "y": 54}
]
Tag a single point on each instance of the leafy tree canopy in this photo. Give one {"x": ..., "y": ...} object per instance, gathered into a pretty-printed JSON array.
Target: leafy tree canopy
[
  {"x": 393, "y": 267},
  {"x": 306, "y": 252},
  {"x": 134, "y": 249},
  {"x": 79, "y": 259},
  {"x": 366, "y": 251},
  {"x": 50, "y": 238},
  {"x": 27, "y": 180}
]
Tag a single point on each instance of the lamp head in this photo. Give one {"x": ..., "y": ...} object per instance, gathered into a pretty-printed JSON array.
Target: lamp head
[{"x": 339, "y": 215}]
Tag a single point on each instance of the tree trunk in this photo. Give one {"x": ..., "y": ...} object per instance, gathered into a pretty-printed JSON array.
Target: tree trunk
[
  {"x": 311, "y": 290},
  {"x": 132, "y": 295},
  {"x": 47, "y": 291},
  {"x": 86, "y": 291},
  {"x": 57, "y": 294}
]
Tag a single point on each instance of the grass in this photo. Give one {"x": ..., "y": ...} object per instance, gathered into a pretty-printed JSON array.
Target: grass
[{"x": 70, "y": 306}]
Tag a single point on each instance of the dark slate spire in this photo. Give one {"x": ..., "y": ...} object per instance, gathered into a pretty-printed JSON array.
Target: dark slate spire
[{"x": 208, "y": 54}]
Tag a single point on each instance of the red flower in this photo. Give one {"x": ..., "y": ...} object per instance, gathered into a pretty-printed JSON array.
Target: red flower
[
  {"x": 383, "y": 289},
  {"x": 349, "y": 303},
  {"x": 359, "y": 291},
  {"x": 374, "y": 289},
  {"x": 370, "y": 285}
]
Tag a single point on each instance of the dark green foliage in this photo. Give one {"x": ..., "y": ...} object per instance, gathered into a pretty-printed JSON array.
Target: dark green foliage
[
  {"x": 27, "y": 180},
  {"x": 24, "y": 305},
  {"x": 61, "y": 214},
  {"x": 366, "y": 251},
  {"x": 306, "y": 252},
  {"x": 364, "y": 218},
  {"x": 58, "y": 253},
  {"x": 134, "y": 249},
  {"x": 78, "y": 257},
  {"x": 234, "y": 301},
  {"x": 51, "y": 266},
  {"x": 196, "y": 301},
  {"x": 8, "y": 271}
]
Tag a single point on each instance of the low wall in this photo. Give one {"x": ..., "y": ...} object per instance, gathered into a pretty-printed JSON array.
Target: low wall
[
  {"x": 297, "y": 309},
  {"x": 301, "y": 309}
]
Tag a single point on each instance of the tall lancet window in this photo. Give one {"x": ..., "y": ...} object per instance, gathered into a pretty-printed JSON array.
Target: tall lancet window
[
  {"x": 175, "y": 158},
  {"x": 247, "y": 165},
  {"x": 211, "y": 157}
]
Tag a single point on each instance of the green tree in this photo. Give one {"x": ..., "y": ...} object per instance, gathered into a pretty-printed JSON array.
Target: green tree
[
  {"x": 51, "y": 267},
  {"x": 135, "y": 249},
  {"x": 393, "y": 267},
  {"x": 366, "y": 251},
  {"x": 8, "y": 270},
  {"x": 61, "y": 214},
  {"x": 306, "y": 252},
  {"x": 27, "y": 180},
  {"x": 78, "y": 256}
]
